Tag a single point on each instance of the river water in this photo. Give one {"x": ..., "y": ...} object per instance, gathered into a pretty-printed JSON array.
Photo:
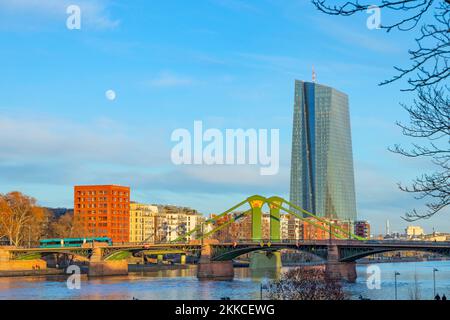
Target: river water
[{"x": 183, "y": 285}]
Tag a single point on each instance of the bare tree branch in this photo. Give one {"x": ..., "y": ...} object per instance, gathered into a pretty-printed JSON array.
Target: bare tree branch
[
  {"x": 430, "y": 113},
  {"x": 430, "y": 61},
  {"x": 430, "y": 120}
]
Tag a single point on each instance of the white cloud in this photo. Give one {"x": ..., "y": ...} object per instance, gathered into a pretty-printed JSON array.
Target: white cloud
[
  {"x": 27, "y": 140},
  {"x": 167, "y": 79},
  {"x": 62, "y": 152}
]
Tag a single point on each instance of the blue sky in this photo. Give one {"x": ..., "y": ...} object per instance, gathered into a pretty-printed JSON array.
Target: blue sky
[{"x": 229, "y": 63}]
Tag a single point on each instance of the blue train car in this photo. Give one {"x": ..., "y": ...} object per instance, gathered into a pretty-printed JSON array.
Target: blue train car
[{"x": 72, "y": 242}]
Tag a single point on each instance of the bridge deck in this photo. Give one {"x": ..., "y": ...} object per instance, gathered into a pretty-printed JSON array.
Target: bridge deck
[{"x": 264, "y": 243}]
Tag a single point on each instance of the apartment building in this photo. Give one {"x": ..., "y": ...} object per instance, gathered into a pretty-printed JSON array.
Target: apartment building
[{"x": 103, "y": 211}]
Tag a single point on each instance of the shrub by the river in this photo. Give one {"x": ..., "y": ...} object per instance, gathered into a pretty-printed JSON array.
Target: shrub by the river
[{"x": 306, "y": 284}]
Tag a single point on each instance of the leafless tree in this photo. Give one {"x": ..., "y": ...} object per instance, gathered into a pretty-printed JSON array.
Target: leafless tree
[
  {"x": 65, "y": 226},
  {"x": 429, "y": 114},
  {"x": 306, "y": 284},
  {"x": 429, "y": 120},
  {"x": 21, "y": 220}
]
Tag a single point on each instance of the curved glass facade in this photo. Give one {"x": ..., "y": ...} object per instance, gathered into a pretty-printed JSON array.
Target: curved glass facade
[{"x": 322, "y": 176}]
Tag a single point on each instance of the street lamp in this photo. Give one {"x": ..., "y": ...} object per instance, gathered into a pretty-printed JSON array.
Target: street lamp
[
  {"x": 349, "y": 225},
  {"x": 29, "y": 236},
  {"x": 395, "y": 276},
  {"x": 434, "y": 282}
]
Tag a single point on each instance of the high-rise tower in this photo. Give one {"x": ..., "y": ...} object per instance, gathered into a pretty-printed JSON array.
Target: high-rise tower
[{"x": 322, "y": 177}]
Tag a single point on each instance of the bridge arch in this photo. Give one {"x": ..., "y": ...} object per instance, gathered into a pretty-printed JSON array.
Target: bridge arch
[
  {"x": 352, "y": 255},
  {"x": 226, "y": 254},
  {"x": 81, "y": 256},
  {"x": 110, "y": 254}
]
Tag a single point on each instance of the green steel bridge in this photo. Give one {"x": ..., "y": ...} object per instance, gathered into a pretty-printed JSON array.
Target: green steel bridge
[{"x": 339, "y": 252}]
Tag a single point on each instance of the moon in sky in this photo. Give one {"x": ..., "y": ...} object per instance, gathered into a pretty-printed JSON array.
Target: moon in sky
[{"x": 110, "y": 95}]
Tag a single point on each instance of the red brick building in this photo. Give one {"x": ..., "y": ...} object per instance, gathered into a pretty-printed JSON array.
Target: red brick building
[
  {"x": 103, "y": 211},
  {"x": 311, "y": 232}
]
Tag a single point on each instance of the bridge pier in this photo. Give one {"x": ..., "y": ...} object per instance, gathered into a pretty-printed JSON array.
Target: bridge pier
[
  {"x": 101, "y": 268},
  {"x": 341, "y": 271},
  {"x": 8, "y": 264},
  {"x": 213, "y": 270},
  {"x": 108, "y": 268},
  {"x": 265, "y": 260},
  {"x": 338, "y": 270},
  {"x": 183, "y": 259}
]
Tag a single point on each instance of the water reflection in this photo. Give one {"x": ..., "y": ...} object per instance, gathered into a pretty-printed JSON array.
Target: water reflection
[{"x": 183, "y": 284}]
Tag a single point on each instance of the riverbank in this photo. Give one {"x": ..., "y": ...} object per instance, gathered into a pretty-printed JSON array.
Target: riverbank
[
  {"x": 412, "y": 259},
  {"x": 368, "y": 261},
  {"x": 84, "y": 270},
  {"x": 32, "y": 273}
]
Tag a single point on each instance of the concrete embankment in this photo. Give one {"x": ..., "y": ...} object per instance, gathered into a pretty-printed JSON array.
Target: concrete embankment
[
  {"x": 32, "y": 273},
  {"x": 84, "y": 270}
]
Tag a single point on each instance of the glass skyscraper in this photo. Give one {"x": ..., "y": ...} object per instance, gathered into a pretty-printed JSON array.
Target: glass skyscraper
[{"x": 322, "y": 177}]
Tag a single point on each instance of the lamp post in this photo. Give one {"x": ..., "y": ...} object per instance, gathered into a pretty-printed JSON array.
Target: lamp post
[
  {"x": 434, "y": 282},
  {"x": 349, "y": 227},
  {"x": 29, "y": 236},
  {"x": 395, "y": 277},
  {"x": 330, "y": 232},
  {"x": 203, "y": 232}
]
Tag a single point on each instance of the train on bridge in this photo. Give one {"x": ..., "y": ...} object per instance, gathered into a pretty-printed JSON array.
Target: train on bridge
[{"x": 74, "y": 242}]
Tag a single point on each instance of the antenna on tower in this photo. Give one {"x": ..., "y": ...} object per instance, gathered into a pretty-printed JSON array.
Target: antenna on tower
[{"x": 314, "y": 76}]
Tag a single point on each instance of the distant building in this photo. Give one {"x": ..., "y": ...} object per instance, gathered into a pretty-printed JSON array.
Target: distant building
[
  {"x": 394, "y": 236},
  {"x": 174, "y": 222},
  {"x": 294, "y": 227},
  {"x": 284, "y": 227},
  {"x": 362, "y": 229},
  {"x": 322, "y": 175},
  {"x": 436, "y": 236},
  {"x": 223, "y": 233},
  {"x": 143, "y": 222},
  {"x": 314, "y": 230},
  {"x": 343, "y": 228},
  {"x": 103, "y": 211},
  {"x": 241, "y": 229},
  {"x": 414, "y": 231},
  {"x": 265, "y": 234},
  {"x": 4, "y": 241}
]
